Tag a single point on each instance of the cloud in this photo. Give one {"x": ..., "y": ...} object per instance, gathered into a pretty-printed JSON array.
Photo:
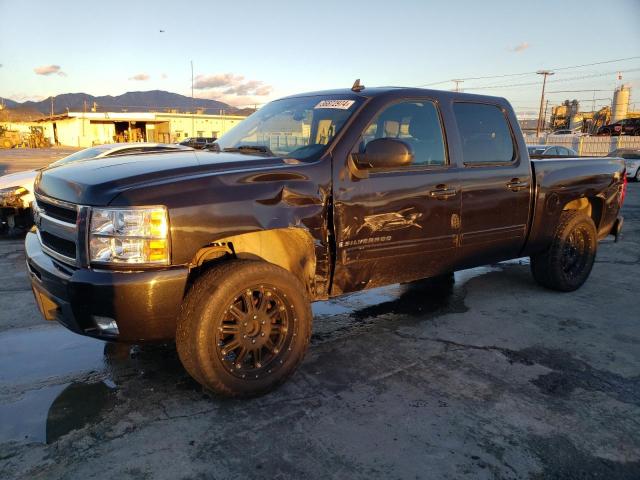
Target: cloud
[
  {"x": 521, "y": 47},
  {"x": 233, "y": 99},
  {"x": 49, "y": 70},
  {"x": 216, "y": 81},
  {"x": 141, "y": 77},
  {"x": 233, "y": 88}
]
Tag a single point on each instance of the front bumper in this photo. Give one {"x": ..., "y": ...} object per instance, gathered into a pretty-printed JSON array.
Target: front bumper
[{"x": 144, "y": 304}]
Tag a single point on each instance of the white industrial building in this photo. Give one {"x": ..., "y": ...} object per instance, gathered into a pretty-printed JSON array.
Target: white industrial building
[{"x": 84, "y": 129}]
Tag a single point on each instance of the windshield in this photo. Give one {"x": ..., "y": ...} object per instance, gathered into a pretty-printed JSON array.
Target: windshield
[
  {"x": 299, "y": 127},
  {"x": 625, "y": 154},
  {"x": 81, "y": 155},
  {"x": 536, "y": 150}
]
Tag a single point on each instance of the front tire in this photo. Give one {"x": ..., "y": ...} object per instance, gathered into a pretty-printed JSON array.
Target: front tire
[
  {"x": 566, "y": 265},
  {"x": 244, "y": 328}
]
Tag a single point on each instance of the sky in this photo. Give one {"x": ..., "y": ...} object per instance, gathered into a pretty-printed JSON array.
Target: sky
[{"x": 251, "y": 52}]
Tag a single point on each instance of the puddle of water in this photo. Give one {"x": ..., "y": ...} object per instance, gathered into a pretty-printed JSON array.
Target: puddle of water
[
  {"x": 26, "y": 419},
  {"x": 45, "y": 414},
  {"x": 354, "y": 301},
  {"x": 37, "y": 354},
  {"x": 77, "y": 405},
  {"x": 421, "y": 300},
  {"x": 415, "y": 298},
  {"x": 42, "y": 399}
]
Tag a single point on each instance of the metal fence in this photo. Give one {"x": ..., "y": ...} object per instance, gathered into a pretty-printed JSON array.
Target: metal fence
[{"x": 586, "y": 146}]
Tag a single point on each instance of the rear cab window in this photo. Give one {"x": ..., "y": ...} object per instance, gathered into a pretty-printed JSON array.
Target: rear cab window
[{"x": 485, "y": 134}]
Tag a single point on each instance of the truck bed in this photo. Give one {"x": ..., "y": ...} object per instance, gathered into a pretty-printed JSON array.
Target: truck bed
[{"x": 558, "y": 181}]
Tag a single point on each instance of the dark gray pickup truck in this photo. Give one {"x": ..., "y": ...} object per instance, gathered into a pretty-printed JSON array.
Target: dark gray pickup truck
[{"x": 313, "y": 196}]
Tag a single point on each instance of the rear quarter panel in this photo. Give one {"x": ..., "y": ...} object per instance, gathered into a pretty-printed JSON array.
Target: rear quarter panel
[{"x": 560, "y": 181}]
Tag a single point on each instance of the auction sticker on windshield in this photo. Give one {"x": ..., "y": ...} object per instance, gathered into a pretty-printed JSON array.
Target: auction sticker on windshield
[{"x": 339, "y": 104}]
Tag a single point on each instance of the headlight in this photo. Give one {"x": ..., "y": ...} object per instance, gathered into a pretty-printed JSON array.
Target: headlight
[{"x": 129, "y": 235}]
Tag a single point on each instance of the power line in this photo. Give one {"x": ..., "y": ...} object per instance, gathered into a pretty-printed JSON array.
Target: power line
[
  {"x": 579, "y": 91},
  {"x": 583, "y": 77},
  {"x": 533, "y": 72}
]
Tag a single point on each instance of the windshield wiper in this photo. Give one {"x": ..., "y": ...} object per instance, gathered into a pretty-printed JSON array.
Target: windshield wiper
[{"x": 250, "y": 149}]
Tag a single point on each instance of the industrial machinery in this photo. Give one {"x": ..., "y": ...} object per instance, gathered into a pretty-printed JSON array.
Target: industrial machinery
[
  {"x": 9, "y": 138},
  {"x": 36, "y": 138}
]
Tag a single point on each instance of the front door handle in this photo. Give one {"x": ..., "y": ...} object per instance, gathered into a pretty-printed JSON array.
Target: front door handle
[
  {"x": 515, "y": 185},
  {"x": 442, "y": 192}
]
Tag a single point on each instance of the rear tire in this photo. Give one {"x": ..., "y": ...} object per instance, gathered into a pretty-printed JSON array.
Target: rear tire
[
  {"x": 244, "y": 328},
  {"x": 637, "y": 176},
  {"x": 566, "y": 265}
]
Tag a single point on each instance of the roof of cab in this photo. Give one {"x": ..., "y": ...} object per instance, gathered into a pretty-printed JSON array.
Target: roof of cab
[{"x": 390, "y": 91}]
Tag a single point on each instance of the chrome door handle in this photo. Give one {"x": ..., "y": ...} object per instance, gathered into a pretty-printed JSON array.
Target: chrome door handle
[
  {"x": 443, "y": 193},
  {"x": 515, "y": 185}
]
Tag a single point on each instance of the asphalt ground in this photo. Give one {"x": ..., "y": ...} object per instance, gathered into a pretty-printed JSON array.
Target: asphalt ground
[
  {"x": 490, "y": 376},
  {"x": 18, "y": 159}
]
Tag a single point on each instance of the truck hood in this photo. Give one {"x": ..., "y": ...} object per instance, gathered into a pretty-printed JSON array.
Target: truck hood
[{"x": 98, "y": 181}]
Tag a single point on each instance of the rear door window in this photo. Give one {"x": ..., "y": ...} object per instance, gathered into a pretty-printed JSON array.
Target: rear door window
[{"x": 485, "y": 133}]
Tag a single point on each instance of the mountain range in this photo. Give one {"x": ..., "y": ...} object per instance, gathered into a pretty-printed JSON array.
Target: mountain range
[{"x": 153, "y": 100}]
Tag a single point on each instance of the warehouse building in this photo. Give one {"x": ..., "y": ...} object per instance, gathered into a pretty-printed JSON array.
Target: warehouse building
[{"x": 84, "y": 129}]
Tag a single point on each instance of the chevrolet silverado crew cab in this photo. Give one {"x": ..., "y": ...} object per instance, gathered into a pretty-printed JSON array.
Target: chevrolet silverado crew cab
[{"x": 311, "y": 197}]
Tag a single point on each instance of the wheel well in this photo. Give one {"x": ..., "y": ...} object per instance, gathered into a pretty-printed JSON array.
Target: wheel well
[
  {"x": 288, "y": 248},
  {"x": 592, "y": 206}
]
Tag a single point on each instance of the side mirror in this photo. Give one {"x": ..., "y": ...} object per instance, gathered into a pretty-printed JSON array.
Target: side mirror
[{"x": 385, "y": 153}]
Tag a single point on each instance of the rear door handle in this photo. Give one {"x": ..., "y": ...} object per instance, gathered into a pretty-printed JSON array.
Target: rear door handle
[
  {"x": 442, "y": 192},
  {"x": 515, "y": 185}
]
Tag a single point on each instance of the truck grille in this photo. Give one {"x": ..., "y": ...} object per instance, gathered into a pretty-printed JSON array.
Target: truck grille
[
  {"x": 58, "y": 226},
  {"x": 58, "y": 212},
  {"x": 57, "y": 244}
]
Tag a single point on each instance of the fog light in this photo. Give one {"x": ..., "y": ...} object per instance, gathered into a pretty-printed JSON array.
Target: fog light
[{"x": 106, "y": 325}]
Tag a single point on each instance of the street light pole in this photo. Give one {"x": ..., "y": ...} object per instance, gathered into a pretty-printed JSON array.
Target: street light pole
[
  {"x": 192, "y": 104},
  {"x": 546, "y": 73}
]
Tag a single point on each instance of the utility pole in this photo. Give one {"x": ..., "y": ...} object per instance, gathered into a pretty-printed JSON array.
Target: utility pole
[
  {"x": 546, "y": 73},
  {"x": 192, "y": 104},
  {"x": 544, "y": 115},
  {"x": 84, "y": 115},
  {"x": 457, "y": 82},
  {"x": 52, "y": 106}
]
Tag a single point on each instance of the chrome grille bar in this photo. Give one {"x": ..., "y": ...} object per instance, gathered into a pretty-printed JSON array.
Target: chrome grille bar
[{"x": 56, "y": 232}]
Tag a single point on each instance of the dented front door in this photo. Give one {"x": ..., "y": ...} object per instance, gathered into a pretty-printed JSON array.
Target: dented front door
[{"x": 394, "y": 227}]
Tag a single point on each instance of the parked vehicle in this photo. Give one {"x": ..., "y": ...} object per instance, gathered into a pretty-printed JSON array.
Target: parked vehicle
[
  {"x": 311, "y": 197},
  {"x": 198, "y": 142},
  {"x": 628, "y": 126},
  {"x": 16, "y": 189},
  {"x": 550, "y": 151},
  {"x": 564, "y": 132},
  {"x": 631, "y": 159}
]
